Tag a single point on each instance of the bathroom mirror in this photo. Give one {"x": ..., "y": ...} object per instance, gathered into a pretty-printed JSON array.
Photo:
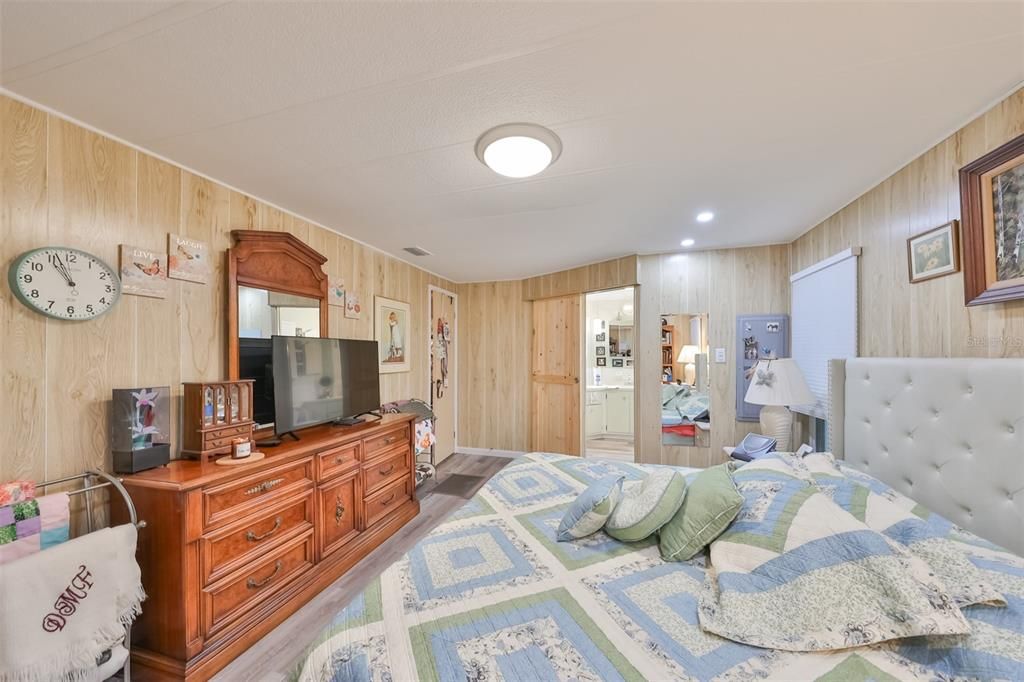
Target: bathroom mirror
[{"x": 685, "y": 380}]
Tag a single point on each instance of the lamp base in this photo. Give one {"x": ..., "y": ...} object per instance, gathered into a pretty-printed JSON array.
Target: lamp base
[{"x": 777, "y": 422}]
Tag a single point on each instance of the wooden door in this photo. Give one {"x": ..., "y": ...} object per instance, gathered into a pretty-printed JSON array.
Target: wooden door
[
  {"x": 555, "y": 405},
  {"x": 443, "y": 361}
]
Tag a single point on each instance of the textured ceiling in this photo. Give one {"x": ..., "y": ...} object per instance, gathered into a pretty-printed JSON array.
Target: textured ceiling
[{"x": 362, "y": 116}]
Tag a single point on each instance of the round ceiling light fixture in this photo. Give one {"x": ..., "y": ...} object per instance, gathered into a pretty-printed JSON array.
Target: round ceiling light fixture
[
  {"x": 687, "y": 243},
  {"x": 518, "y": 150},
  {"x": 705, "y": 217}
]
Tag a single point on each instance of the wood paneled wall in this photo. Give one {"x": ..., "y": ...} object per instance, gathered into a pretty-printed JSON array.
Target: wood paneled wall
[
  {"x": 495, "y": 327},
  {"x": 63, "y": 184},
  {"x": 609, "y": 274},
  {"x": 723, "y": 284},
  {"x": 928, "y": 319}
]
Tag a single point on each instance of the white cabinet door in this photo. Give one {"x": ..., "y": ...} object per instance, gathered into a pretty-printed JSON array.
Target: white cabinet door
[
  {"x": 620, "y": 412},
  {"x": 595, "y": 413}
]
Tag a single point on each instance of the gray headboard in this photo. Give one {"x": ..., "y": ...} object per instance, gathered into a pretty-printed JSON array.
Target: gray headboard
[{"x": 948, "y": 433}]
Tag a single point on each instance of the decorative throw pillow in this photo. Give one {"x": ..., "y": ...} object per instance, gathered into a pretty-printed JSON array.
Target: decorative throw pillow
[
  {"x": 711, "y": 504},
  {"x": 591, "y": 509},
  {"x": 647, "y": 506}
]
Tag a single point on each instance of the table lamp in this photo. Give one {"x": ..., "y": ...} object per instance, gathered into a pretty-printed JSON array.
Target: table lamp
[
  {"x": 776, "y": 384},
  {"x": 687, "y": 356}
]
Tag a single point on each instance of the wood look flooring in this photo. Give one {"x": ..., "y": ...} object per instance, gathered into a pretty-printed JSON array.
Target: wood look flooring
[
  {"x": 271, "y": 658},
  {"x": 610, "y": 447}
]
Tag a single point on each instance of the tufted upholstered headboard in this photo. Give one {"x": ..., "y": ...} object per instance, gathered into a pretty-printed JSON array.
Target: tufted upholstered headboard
[{"x": 948, "y": 433}]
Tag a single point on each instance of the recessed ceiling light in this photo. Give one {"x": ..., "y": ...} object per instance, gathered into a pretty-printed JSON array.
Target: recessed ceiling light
[
  {"x": 705, "y": 217},
  {"x": 518, "y": 150},
  {"x": 686, "y": 242}
]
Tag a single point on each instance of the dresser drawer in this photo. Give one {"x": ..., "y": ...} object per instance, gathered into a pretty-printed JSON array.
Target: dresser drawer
[
  {"x": 224, "y": 503},
  {"x": 386, "y": 469},
  {"x": 239, "y": 544},
  {"x": 232, "y": 597},
  {"x": 385, "y": 441},
  {"x": 382, "y": 503},
  {"x": 338, "y": 504},
  {"x": 336, "y": 460}
]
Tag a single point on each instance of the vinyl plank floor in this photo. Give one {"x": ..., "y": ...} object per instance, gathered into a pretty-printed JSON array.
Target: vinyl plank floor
[{"x": 271, "y": 658}]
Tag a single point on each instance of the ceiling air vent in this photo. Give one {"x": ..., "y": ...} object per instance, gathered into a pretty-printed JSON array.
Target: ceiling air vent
[{"x": 417, "y": 251}]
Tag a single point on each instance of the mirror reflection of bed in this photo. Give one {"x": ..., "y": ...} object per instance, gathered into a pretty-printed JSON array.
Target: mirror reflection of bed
[
  {"x": 685, "y": 380},
  {"x": 608, "y": 401}
]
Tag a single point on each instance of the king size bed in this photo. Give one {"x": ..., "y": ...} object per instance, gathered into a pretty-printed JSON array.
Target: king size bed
[{"x": 914, "y": 518}]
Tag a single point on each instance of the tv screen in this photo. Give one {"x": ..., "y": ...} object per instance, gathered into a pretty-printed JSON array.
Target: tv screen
[
  {"x": 323, "y": 380},
  {"x": 256, "y": 362}
]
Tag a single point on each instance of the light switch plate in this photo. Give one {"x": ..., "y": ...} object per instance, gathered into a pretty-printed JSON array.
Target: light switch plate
[{"x": 719, "y": 355}]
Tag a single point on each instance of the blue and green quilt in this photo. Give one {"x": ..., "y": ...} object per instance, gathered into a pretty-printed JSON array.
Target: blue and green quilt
[{"x": 491, "y": 595}]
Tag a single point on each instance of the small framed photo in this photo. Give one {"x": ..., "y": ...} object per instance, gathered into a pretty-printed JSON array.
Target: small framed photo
[
  {"x": 602, "y": 362},
  {"x": 600, "y": 350},
  {"x": 629, "y": 362},
  {"x": 934, "y": 253},
  {"x": 600, "y": 338},
  {"x": 616, "y": 362}
]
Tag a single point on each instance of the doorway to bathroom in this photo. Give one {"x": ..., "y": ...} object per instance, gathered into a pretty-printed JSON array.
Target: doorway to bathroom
[{"x": 609, "y": 342}]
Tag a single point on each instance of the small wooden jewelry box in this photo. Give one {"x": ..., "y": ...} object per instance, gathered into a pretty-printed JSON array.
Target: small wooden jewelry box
[{"x": 215, "y": 414}]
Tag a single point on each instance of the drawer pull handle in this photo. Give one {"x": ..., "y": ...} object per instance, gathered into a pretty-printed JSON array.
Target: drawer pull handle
[
  {"x": 252, "y": 537},
  {"x": 385, "y": 472},
  {"x": 264, "y": 487},
  {"x": 339, "y": 511},
  {"x": 254, "y": 584},
  {"x": 339, "y": 459},
  {"x": 388, "y": 501}
]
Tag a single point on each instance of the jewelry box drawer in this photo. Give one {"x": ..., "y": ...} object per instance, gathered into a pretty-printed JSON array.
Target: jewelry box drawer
[
  {"x": 385, "y": 441},
  {"x": 232, "y": 597},
  {"x": 386, "y": 469},
  {"x": 227, "y": 432},
  {"x": 239, "y": 544},
  {"x": 382, "y": 503},
  {"x": 226, "y": 502},
  {"x": 336, "y": 460}
]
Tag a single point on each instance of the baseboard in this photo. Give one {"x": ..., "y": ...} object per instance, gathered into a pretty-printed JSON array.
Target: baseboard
[{"x": 488, "y": 452}]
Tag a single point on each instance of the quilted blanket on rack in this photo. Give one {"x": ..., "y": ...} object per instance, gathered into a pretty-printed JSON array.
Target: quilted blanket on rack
[{"x": 490, "y": 595}]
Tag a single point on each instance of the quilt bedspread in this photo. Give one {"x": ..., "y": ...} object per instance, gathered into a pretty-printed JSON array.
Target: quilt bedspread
[{"x": 490, "y": 595}]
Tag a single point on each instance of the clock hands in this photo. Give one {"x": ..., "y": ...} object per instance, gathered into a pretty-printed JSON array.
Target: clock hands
[{"x": 58, "y": 264}]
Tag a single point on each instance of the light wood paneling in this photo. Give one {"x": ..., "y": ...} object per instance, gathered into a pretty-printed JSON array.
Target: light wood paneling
[
  {"x": 611, "y": 274},
  {"x": 62, "y": 184},
  {"x": 555, "y": 418}
]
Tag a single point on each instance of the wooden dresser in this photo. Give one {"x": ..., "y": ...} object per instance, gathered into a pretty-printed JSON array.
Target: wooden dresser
[{"x": 229, "y": 552}]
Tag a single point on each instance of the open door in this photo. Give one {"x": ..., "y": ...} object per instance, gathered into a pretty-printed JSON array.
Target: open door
[{"x": 555, "y": 404}]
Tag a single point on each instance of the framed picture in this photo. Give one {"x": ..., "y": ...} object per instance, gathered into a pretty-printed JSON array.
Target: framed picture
[
  {"x": 391, "y": 321},
  {"x": 143, "y": 272},
  {"x": 934, "y": 253},
  {"x": 188, "y": 259},
  {"x": 600, "y": 338},
  {"x": 336, "y": 291},
  {"x": 600, "y": 350},
  {"x": 616, "y": 362},
  {"x": 992, "y": 215},
  {"x": 353, "y": 308},
  {"x": 602, "y": 362}
]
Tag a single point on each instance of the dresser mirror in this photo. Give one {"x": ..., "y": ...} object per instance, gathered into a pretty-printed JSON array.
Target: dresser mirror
[
  {"x": 685, "y": 380},
  {"x": 276, "y": 287}
]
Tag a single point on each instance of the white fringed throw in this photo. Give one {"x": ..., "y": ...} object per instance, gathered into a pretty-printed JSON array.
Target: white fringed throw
[{"x": 63, "y": 607}]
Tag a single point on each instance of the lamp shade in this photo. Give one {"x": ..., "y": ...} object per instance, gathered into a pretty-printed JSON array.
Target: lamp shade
[
  {"x": 688, "y": 354},
  {"x": 778, "y": 382}
]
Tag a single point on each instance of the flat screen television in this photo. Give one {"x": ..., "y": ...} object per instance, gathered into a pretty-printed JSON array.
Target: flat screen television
[
  {"x": 323, "y": 380},
  {"x": 256, "y": 362}
]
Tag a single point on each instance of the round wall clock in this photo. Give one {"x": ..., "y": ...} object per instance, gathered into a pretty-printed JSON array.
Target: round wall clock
[{"x": 63, "y": 283}]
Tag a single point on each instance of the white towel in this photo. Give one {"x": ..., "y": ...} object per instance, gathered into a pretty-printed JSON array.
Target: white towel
[{"x": 63, "y": 607}]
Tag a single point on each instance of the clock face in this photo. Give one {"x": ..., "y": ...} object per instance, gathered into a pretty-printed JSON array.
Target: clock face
[{"x": 64, "y": 283}]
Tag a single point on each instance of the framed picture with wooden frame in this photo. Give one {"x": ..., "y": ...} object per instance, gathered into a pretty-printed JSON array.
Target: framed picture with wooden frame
[
  {"x": 992, "y": 213},
  {"x": 935, "y": 253}
]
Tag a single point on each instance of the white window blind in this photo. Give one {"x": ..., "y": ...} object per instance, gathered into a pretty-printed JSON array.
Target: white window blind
[{"x": 824, "y": 322}]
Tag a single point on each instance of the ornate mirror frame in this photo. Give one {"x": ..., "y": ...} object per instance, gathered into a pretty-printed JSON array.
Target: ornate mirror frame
[{"x": 276, "y": 261}]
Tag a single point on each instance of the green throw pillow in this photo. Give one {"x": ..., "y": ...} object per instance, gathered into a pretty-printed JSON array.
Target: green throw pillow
[
  {"x": 647, "y": 506},
  {"x": 711, "y": 504}
]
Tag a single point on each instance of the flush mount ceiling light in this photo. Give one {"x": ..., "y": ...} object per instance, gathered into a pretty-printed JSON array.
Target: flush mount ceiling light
[
  {"x": 705, "y": 217},
  {"x": 518, "y": 150},
  {"x": 686, "y": 242}
]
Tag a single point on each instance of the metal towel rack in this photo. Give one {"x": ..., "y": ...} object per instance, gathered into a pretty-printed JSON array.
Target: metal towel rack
[{"x": 88, "y": 487}]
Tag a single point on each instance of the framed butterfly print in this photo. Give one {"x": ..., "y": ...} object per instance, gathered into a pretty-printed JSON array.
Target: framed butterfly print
[
  {"x": 143, "y": 272},
  {"x": 188, "y": 259}
]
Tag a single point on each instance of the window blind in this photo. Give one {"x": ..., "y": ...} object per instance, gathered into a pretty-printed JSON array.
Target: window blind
[{"x": 824, "y": 322}]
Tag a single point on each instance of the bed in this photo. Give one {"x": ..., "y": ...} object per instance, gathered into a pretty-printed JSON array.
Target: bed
[{"x": 490, "y": 595}]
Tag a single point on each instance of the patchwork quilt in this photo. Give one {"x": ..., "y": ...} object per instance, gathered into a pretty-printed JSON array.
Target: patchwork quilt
[{"x": 490, "y": 595}]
